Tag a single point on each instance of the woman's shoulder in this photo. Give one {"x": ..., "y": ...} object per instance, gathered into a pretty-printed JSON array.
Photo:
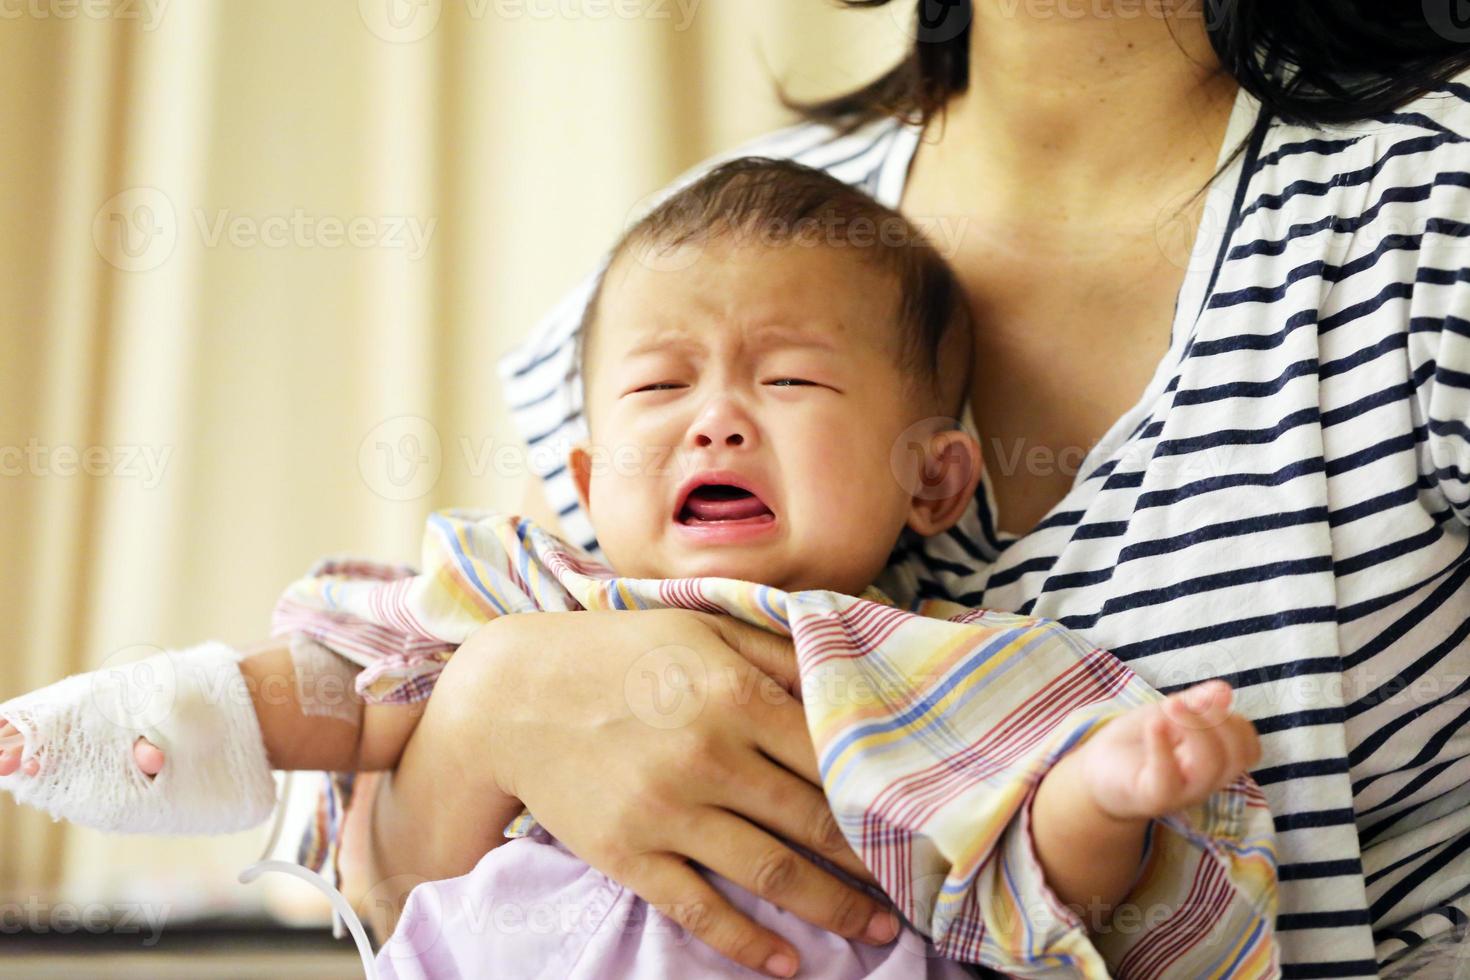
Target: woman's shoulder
[
  {"x": 1395, "y": 183},
  {"x": 1367, "y": 223},
  {"x": 1430, "y": 133},
  {"x": 1444, "y": 109}
]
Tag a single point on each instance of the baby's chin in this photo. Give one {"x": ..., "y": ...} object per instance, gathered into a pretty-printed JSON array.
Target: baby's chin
[{"x": 783, "y": 574}]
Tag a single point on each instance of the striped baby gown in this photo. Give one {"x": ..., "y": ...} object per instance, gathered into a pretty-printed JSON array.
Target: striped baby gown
[{"x": 932, "y": 727}]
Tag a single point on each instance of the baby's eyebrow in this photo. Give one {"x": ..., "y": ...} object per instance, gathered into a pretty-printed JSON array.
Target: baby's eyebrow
[
  {"x": 781, "y": 336},
  {"x": 776, "y": 337},
  {"x": 664, "y": 342}
]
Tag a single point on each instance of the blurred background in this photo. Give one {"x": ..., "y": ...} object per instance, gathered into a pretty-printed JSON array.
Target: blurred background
[{"x": 249, "y": 246}]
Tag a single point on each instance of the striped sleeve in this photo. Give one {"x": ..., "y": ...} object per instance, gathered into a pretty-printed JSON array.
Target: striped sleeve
[
  {"x": 1439, "y": 326},
  {"x": 543, "y": 390},
  {"x": 1443, "y": 377}
]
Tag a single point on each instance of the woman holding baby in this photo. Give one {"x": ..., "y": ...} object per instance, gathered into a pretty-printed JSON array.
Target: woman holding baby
[
  {"x": 1200, "y": 359},
  {"x": 1270, "y": 378}
]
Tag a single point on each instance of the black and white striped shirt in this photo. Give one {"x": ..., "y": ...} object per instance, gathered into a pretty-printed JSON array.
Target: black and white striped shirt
[{"x": 1285, "y": 507}]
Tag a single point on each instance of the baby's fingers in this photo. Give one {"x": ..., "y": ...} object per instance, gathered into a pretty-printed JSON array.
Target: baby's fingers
[
  {"x": 1162, "y": 782},
  {"x": 12, "y": 744},
  {"x": 1244, "y": 743},
  {"x": 1220, "y": 744},
  {"x": 1203, "y": 706},
  {"x": 1206, "y": 760}
]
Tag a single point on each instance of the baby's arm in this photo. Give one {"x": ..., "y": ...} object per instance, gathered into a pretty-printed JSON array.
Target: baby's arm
[
  {"x": 351, "y": 737},
  {"x": 337, "y": 733},
  {"x": 1091, "y": 810}
]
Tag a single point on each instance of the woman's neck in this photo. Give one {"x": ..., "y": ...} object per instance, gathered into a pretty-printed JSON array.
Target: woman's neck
[{"x": 1086, "y": 97}]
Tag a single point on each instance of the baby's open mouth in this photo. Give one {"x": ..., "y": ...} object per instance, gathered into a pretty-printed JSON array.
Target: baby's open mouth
[{"x": 721, "y": 503}]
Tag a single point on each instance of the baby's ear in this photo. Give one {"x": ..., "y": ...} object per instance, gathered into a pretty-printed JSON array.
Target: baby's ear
[
  {"x": 579, "y": 462},
  {"x": 951, "y": 472}
]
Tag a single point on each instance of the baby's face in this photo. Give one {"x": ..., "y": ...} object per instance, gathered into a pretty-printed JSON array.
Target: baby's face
[{"x": 744, "y": 415}]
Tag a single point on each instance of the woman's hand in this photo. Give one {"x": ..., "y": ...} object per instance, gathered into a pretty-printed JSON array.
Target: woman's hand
[{"x": 647, "y": 740}]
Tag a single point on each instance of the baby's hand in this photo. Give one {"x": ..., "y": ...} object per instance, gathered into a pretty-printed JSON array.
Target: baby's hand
[
  {"x": 1170, "y": 755},
  {"x": 148, "y": 756}
]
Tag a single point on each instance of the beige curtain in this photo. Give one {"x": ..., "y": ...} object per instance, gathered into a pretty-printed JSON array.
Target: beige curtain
[{"x": 257, "y": 260}]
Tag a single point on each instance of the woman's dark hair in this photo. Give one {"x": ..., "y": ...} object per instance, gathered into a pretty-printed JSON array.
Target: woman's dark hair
[{"x": 1347, "y": 59}]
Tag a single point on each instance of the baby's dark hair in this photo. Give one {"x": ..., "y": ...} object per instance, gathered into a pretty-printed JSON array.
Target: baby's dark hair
[{"x": 778, "y": 202}]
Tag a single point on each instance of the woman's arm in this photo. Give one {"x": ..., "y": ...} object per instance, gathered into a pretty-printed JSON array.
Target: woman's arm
[{"x": 569, "y": 732}]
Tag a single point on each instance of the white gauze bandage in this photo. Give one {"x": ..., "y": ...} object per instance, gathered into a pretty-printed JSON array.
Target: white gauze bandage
[{"x": 193, "y": 704}]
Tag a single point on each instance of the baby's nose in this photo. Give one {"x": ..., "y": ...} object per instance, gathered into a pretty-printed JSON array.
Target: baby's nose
[
  {"x": 722, "y": 424},
  {"x": 707, "y": 438}
]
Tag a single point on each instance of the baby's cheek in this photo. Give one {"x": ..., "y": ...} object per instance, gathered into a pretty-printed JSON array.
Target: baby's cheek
[
  {"x": 623, "y": 513},
  {"x": 626, "y": 550},
  {"x": 857, "y": 477},
  {"x": 835, "y": 458}
]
